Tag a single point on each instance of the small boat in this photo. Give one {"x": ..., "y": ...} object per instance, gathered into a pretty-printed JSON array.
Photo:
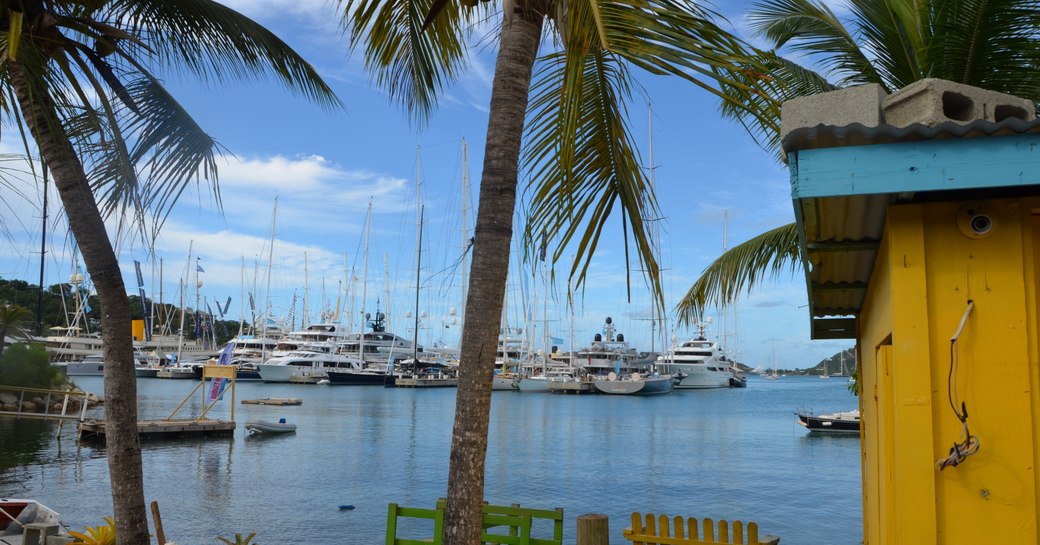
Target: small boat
[
  {"x": 264, "y": 426},
  {"x": 16, "y": 513},
  {"x": 274, "y": 401},
  {"x": 840, "y": 422}
]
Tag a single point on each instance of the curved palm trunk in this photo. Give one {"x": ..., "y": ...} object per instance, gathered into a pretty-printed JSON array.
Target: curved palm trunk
[
  {"x": 123, "y": 444},
  {"x": 518, "y": 48}
]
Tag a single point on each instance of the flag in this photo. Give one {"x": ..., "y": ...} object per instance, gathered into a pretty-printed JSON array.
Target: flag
[
  {"x": 199, "y": 268},
  {"x": 140, "y": 278},
  {"x": 219, "y": 384},
  {"x": 144, "y": 315}
]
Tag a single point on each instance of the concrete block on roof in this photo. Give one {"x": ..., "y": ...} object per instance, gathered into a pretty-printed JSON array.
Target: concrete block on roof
[
  {"x": 860, "y": 104},
  {"x": 935, "y": 101}
]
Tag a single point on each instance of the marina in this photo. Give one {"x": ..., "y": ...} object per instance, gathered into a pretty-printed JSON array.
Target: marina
[{"x": 725, "y": 453}]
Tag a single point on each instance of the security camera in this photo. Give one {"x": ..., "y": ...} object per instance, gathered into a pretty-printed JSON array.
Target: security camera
[{"x": 980, "y": 224}]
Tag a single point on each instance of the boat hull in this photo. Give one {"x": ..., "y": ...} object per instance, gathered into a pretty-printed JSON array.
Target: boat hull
[
  {"x": 24, "y": 512},
  {"x": 84, "y": 369},
  {"x": 505, "y": 383},
  {"x": 348, "y": 378},
  {"x": 843, "y": 423},
  {"x": 642, "y": 386},
  {"x": 698, "y": 376},
  {"x": 267, "y": 427},
  {"x": 533, "y": 384},
  {"x": 146, "y": 371}
]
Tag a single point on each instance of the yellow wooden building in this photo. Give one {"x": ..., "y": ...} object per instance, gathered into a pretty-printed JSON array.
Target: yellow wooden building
[{"x": 919, "y": 217}]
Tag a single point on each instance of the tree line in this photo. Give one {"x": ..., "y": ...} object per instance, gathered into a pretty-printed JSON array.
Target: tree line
[{"x": 58, "y": 303}]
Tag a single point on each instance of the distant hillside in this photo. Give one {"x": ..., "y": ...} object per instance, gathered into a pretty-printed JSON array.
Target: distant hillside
[{"x": 833, "y": 365}]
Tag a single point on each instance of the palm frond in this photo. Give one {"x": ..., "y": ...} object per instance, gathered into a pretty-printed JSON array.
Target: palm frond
[
  {"x": 809, "y": 27},
  {"x": 675, "y": 37},
  {"x": 583, "y": 163},
  {"x": 990, "y": 44},
  {"x": 171, "y": 150},
  {"x": 212, "y": 41},
  {"x": 894, "y": 34},
  {"x": 739, "y": 270},
  {"x": 413, "y": 65}
]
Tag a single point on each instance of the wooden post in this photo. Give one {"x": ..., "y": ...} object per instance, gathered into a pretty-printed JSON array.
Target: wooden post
[
  {"x": 593, "y": 530},
  {"x": 157, "y": 520}
]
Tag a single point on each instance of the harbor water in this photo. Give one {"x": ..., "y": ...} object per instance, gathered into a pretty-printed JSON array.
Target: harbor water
[{"x": 732, "y": 454}]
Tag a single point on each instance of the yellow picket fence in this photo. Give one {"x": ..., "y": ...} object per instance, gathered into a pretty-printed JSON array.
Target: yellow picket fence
[{"x": 650, "y": 529}]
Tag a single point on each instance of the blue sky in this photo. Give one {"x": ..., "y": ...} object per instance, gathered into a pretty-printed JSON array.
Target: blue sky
[{"x": 325, "y": 168}]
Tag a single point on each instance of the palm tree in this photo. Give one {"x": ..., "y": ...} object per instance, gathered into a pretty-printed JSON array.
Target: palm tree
[
  {"x": 81, "y": 77},
  {"x": 578, "y": 148},
  {"x": 11, "y": 317},
  {"x": 988, "y": 44}
]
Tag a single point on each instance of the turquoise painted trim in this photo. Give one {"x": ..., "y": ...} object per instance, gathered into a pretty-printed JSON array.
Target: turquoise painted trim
[{"x": 933, "y": 165}]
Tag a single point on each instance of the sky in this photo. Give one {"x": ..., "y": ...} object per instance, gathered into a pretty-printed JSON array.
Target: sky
[{"x": 331, "y": 173}]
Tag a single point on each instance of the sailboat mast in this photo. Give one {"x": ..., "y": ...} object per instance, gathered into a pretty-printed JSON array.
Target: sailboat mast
[
  {"x": 162, "y": 308},
  {"x": 183, "y": 288},
  {"x": 464, "y": 269},
  {"x": 418, "y": 268},
  {"x": 270, "y": 264},
  {"x": 307, "y": 292},
  {"x": 242, "y": 297},
  {"x": 43, "y": 258},
  {"x": 364, "y": 285},
  {"x": 654, "y": 312}
]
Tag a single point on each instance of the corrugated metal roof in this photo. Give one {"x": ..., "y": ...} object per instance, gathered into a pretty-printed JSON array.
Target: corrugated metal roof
[{"x": 855, "y": 134}]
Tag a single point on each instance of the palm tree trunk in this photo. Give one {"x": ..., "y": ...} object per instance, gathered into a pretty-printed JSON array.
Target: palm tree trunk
[
  {"x": 518, "y": 48},
  {"x": 122, "y": 442}
]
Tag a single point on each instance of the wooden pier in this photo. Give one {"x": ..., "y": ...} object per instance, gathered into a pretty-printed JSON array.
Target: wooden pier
[
  {"x": 163, "y": 429},
  {"x": 274, "y": 401}
]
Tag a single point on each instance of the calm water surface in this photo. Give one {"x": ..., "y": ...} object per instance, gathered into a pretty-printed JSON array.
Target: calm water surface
[{"x": 724, "y": 454}]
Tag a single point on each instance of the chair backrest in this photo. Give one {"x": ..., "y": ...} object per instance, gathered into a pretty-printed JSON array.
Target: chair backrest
[
  {"x": 555, "y": 516},
  {"x": 395, "y": 512}
]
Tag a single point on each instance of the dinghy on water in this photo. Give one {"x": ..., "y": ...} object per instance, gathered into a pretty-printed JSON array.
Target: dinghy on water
[
  {"x": 16, "y": 514},
  {"x": 264, "y": 426}
]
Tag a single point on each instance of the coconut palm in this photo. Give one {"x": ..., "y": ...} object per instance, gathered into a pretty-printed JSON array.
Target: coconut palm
[
  {"x": 11, "y": 318},
  {"x": 80, "y": 79},
  {"x": 988, "y": 44},
  {"x": 577, "y": 147}
]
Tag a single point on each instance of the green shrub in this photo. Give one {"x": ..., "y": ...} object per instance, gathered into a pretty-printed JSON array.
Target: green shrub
[{"x": 28, "y": 366}]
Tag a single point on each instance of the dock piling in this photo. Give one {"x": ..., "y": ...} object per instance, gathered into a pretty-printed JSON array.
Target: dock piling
[{"x": 593, "y": 529}]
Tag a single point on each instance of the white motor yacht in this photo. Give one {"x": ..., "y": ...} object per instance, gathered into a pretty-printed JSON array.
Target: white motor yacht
[
  {"x": 306, "y": 364},
  {"x": 699, "y": 363}
]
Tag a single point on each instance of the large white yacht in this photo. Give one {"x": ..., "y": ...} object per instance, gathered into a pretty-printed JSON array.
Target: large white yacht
[
  {"x": 700, "y": 363},
  {"x": 609, "y": 353},
  {"x": 309, "y": 363}
]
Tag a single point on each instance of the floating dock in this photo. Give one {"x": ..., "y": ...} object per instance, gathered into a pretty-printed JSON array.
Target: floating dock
[
  {"x": 274, "y": 401},
  {"x": 570, "y": 387},
  {"x": 163, "y": 429}
]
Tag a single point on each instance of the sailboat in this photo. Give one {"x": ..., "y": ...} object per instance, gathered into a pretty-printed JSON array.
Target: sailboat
[{"x": 771, "y": 374}]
